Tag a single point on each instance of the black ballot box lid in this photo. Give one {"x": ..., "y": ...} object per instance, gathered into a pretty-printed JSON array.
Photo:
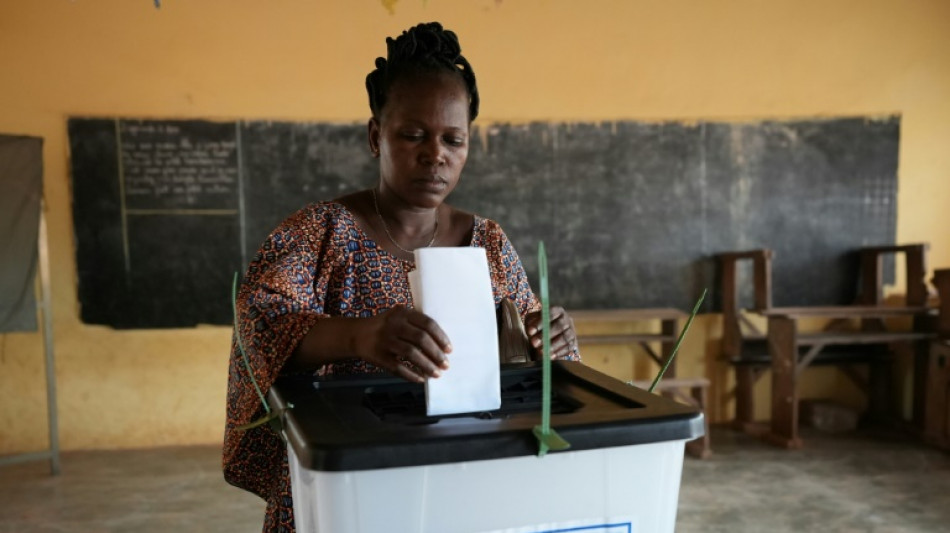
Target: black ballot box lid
[{"x": 378, "y": 421}]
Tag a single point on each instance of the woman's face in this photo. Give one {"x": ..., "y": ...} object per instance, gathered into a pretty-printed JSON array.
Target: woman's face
[{"x": 422, "y": 138}]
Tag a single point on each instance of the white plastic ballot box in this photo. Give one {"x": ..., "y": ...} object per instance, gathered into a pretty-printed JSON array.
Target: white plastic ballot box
[{"x": 365, "y": 458}]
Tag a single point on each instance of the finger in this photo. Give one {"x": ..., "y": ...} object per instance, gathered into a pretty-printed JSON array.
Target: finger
[
  {"x": 391, "y": 361},
  {"x": 532, "y": 322},
  {"x": 561, "y": 345},
  {"x": 407, "y": 374},
  {"x": 560, "y": 323},
  {"x": 423, "y": 350},
  {"x": 562, "y": 351},
  {"x": 408, "y": 351},
  {"x": 418, "y": 330},
  {"x": 564, "y": 331},
  {"x": 432, "y": 329},
  {"x": 558, "y": 330},
  {"x": 532, "y": 326}
]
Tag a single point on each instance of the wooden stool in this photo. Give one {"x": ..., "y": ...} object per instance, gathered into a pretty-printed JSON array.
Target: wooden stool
[{"x": 691, "y": 391}]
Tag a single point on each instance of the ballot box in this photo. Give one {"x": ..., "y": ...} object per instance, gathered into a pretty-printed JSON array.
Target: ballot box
[{"x": 364, "y": 457}]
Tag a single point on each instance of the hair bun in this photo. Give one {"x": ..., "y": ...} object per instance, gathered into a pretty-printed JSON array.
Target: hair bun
[{"x": 424, "y": 47}]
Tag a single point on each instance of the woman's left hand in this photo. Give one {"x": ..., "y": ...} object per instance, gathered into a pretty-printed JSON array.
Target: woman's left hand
[{"x": 563, "y": 336}]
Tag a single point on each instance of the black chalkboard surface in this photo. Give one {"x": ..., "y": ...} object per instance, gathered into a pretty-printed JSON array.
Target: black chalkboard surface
[{"x": 165, "y": 211}]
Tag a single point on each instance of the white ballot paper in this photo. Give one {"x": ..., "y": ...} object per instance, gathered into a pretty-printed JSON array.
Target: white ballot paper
[{"x": 453, "y": 286}]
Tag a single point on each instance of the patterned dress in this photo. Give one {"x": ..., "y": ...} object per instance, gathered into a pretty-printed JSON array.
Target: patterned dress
[{"x": 319, "y": 263}]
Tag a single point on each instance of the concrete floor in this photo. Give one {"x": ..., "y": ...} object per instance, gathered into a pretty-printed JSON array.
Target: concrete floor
[
  {"x": 848, "y": 483},
  {"x": 878, "y": 482}
]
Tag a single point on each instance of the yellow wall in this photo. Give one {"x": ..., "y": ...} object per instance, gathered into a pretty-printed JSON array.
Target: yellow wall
[{"x": 536, "y": 60}]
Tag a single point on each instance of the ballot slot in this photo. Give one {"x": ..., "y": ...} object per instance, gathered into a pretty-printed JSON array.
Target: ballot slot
[
  {"x": 391, "y": 399},
  {"x": 520, "y": 393}
]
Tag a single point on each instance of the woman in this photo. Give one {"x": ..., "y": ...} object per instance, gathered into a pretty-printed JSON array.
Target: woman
[{"x": 328, "y": 292}]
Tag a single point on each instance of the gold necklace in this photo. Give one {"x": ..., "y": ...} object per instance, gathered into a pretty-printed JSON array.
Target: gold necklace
[{"x": 435, "y": 231}]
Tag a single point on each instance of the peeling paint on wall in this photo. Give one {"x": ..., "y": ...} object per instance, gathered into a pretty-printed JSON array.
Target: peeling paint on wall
[{"x": 390, "y": 5}]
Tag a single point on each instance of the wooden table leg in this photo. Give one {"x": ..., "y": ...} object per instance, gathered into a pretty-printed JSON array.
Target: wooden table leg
[
  {"x": 745, "y": 398},
  {"x": 921, "y": 355},
  {"x": 671, "y": 328},
  {"x": 937, "y": 407},
  {"x": 783, "y": 350},
  {"x": 701, "y": 447},
  {"x": 881, "y": 399}
]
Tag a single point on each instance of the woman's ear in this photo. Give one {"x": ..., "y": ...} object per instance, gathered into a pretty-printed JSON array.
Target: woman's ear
[{"x": 372, "y": 134}]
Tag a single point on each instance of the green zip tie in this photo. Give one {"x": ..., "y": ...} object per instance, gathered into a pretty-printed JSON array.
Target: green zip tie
[
  {"x": 548, "y": 439},
  {"x": 273, "y": 419},
  {"x": 679, "y": 340}
]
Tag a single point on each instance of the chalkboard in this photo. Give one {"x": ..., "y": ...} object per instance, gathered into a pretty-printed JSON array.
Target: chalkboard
[
  {"x": 157, "y": 212},
  {"x": 166, "y": 211}
]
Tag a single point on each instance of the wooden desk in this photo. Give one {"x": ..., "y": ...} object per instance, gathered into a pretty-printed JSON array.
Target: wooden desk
[
  {"x": 753, "y": 352},
  {"x": 784, "y": 341},
  {"x": 669, "y": 330}
]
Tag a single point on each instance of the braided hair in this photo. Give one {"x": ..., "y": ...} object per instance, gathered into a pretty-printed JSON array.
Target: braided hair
[{"x": 426, "y": 48}]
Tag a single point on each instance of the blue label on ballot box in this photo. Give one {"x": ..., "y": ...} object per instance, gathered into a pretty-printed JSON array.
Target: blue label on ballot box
[{"x": 613, "y": 526}]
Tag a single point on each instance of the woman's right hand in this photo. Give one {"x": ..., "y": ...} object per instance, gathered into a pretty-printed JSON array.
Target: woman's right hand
[{"x": 402, "y": 335}]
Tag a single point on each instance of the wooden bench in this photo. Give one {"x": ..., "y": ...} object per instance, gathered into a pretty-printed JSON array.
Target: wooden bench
[
  {"x": 787, "y": 352},
  {"x": 670, "y": 320},
  {"x": 692, "y": 391}
]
